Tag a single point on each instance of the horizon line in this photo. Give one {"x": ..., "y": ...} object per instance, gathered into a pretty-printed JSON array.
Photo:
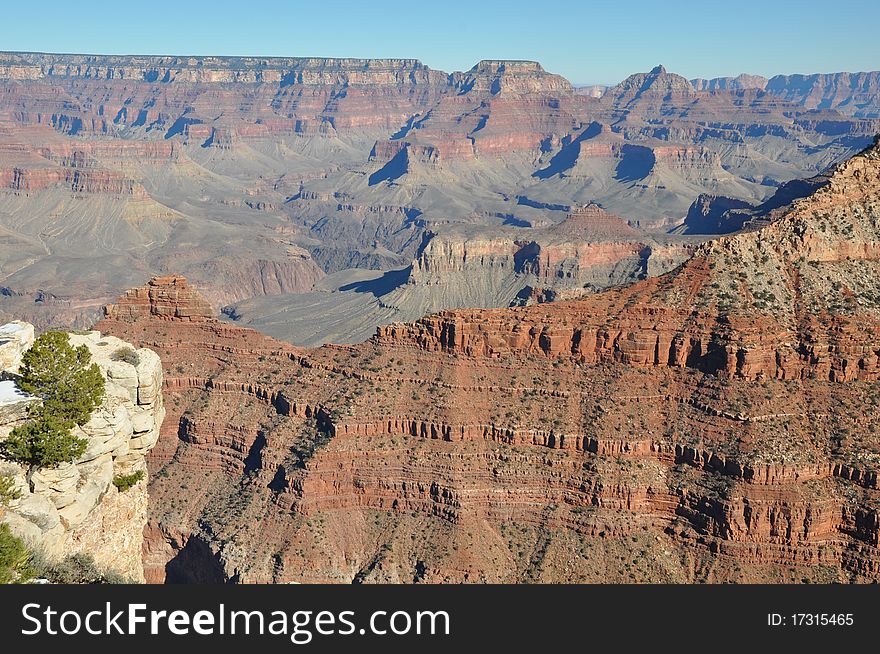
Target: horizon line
[{"x": 422, "y": 63}]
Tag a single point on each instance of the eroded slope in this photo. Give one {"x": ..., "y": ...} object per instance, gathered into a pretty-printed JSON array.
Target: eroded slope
[{"x": 716, "y": 423}]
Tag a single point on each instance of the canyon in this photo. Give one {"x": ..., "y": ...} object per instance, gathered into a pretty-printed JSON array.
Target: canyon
[
  {"x": 715, "y": 422},
  {"x": 590, "y": 250},
  {"x": 309, "y": 197}
]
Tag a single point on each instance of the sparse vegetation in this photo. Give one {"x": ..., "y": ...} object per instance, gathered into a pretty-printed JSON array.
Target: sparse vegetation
[
  {"x": 76, "y": 569},
  {"x": 8, "y": 492},
  {"x": 125, "y": 482},
  {"x": 126, "y": 354},
  {"x": 15, "y": 558},
  {"x": 310, "y": 440}
]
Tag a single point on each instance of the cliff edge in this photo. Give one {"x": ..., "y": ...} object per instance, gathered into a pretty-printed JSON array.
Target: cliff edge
[{"x": 76, "y": 507}]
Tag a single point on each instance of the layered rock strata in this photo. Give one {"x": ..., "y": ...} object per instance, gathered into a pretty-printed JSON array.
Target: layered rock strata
[
  {"x": 164, "y": 297},
  {"x": 255, "y": 177},
  {"x": 590, "y": 250},
  {"x": 711, "y": 424}
]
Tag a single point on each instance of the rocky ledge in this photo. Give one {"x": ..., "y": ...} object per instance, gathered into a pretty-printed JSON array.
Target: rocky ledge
[
  {"x": 75, "y": 507},
  {"x": 15, "y": 338}
]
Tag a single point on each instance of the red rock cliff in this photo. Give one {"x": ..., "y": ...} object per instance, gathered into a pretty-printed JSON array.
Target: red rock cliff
[{"x": 168, "y": 297}]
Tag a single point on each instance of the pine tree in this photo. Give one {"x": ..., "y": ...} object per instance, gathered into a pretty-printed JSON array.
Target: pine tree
[
  {"x": 14, "y": 558},
  {"x": 59, "y": 374},
  {"x": 7, "y": 491},
  {"x": 70, "y": 390},
  {"x": 44, "y": 441}
]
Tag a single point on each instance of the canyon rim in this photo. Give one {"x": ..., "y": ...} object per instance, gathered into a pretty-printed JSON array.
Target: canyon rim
[{"x": 366, "y": 321}]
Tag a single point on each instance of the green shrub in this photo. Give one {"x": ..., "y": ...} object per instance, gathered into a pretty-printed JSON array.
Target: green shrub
[
  {"x": 126, "y": 354},
  {"x": 14, "y": 558},
  {"x": 124, "y": 482},
  {"x": 70, "y": 390},
  {"x": 8, "y": 491},
  {"x": 61, "y": 376},
  {"x": 44, "y": 441}
]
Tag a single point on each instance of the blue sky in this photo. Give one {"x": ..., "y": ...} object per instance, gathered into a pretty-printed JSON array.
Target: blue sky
[{"x": 587, "y": 42}]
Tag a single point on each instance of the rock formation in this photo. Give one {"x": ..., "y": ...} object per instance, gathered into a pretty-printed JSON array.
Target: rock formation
[
  {"x": 854, "y": 94},
  {"x": 164, "y": 297},
  {"x": 75, "y": 507},
  {"x": 711, "y": 424},
  {"x": 711, "y": 214},
  {"x": 460, "y": 266},
  {"x": 742, "y": 81},
  {"x": 15, "y": 338},
  {"x": 590, "y": 250},
  {"x": 256, "y": 177},
  {"x": 719, "y": 330}
]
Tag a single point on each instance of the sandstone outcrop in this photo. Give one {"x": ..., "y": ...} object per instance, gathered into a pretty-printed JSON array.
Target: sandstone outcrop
[
  {"x": 75, "y": 507},
  {"x": 168, "y": 297}
]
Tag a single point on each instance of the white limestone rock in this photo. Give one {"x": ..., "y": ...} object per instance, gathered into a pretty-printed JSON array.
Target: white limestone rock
[
  {"x": 15, "y": 338},
  {"x": 75, "y": 507},
  {"x": 37, "y": 509},
  {"x": 59, "y": 484}
]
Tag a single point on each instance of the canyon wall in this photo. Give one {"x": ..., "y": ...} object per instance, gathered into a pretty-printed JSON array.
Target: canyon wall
[
  {"x": 713, "y": 423},
  {"x": 462, "y": 266},
  {"x": 256, "y": 177},
  {"x": 855, "y": 94}
]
